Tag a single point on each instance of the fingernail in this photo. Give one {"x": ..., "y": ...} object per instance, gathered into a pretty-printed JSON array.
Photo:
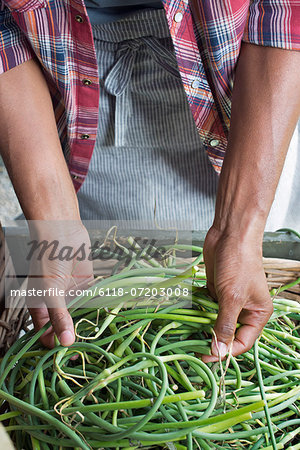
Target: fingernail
[
  {"x": 73, "y": 358},
  {"x": 219, "y": 349},
  {"x": 66, "y": 338}
]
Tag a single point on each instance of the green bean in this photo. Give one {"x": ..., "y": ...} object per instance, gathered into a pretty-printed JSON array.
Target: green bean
[
  {"x": 30, "y": 409},
  {"x": 137, "y": 383},
  {"x": 263, "y": 395}
]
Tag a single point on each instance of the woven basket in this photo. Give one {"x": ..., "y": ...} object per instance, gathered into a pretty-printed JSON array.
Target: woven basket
[
  {"x": 16, "y": 318},
  {"x": 281, "y": 272}
]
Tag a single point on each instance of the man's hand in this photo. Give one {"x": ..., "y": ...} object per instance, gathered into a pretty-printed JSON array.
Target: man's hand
[
  {"x": 265, "y": 110},
  {"x": 31, "y": 149},
  {"x": 53, "y": 271},
  {"x": 235, "y": 277}
]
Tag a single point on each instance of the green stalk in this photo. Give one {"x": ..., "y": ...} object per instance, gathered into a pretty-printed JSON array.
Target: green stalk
[
  {"x": 33, "y": 411},
  {"x": 137, "y": 404}
]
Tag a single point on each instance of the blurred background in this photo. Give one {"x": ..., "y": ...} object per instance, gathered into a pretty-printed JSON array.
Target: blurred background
[{"x": 9, "y": 205}]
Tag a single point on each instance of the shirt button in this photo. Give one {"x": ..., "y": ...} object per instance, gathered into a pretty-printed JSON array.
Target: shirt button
[
  {"x": 75, "y": 177},
  {"x": 196, "y": 84},
  {"x": 79, "y": 18},
  {"x": 86, "y": 82},
  {"x": 85, "y": 136},
  {"x": 214, "y": 142},
  {"x": 178, "y": 17}
]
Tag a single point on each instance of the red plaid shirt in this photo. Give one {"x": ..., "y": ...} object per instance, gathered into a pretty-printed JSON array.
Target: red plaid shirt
[{"x": 207, "y": 36}]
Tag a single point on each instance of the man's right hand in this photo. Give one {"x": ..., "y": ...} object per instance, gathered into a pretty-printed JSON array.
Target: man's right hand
[
  {"x": 31, "y": 150},
  {"x": 59, "y": 262}
]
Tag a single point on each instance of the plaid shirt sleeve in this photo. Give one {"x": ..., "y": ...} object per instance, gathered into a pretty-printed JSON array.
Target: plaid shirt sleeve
[
  {"x": 14, "y": 47},
  {"x": 274, "y": 23}
]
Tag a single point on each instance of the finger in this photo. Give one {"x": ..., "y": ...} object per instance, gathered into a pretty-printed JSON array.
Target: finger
[
  {"x": 245, "y": 338},
  {"x": 40, "y": 317},
  {"x": 224, "y": 329},
  {"x": 62, "y": 325},
  {"x": 253, "y": 323}
]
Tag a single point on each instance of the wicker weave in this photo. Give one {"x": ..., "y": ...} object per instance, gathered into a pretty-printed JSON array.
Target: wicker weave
[
  {"x": 15, "y": 318},
  {"x": 281, "y": 272}
]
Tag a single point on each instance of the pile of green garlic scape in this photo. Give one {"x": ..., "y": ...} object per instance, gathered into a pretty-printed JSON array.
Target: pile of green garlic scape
[{"x": 139, "y": 382}]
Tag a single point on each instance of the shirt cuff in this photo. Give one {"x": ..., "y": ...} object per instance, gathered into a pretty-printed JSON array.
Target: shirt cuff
[
  {"x": 14, "y": 47},
  {"x": 273, "y": 23}
]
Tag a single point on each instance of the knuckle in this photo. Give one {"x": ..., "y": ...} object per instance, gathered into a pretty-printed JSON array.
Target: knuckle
[
  {"x": 230, "y": 296},
  {"x": 262, "y": 316},
  {"x": 58, "y": 317}
]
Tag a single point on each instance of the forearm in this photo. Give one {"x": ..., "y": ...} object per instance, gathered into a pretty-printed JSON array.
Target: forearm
[
  {"x": 30, "y": 146},
  {"x": 32, "y": 153},
  {"x": 265, "y": 110}
]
